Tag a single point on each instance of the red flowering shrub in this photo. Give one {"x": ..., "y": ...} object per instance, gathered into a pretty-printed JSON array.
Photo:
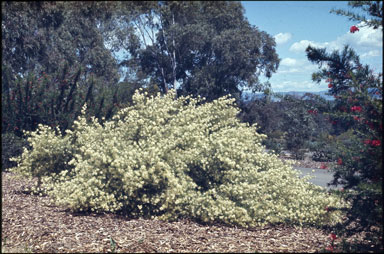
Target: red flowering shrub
[
  {"x": 356, "y": 108},
  {"x": 359, "y": 158}
]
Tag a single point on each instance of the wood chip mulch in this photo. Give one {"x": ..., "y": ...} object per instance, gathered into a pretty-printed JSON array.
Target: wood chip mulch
[{"x": 31, "y": 224}]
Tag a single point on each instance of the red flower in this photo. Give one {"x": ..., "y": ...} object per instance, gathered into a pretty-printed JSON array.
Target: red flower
[
  {"x": 367, "y": 141},
  {"x": 356, "y": 108},
  {"x": 353, "y": 29},
  {"x": 330, "y": 248},
  {"x": 339, "y": 161},
  {"x": 330, "y": 85},
  {"x": 323, "y": 166},
  {"x": 333, "y": 236},
  {"x": 356, "y": 118},
  {"x": 375, "y": 142},
  {"x": 311, "y": 111}
]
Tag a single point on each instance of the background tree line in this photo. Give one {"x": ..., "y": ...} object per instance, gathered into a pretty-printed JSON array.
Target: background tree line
[{"x": 294, "y": 123}]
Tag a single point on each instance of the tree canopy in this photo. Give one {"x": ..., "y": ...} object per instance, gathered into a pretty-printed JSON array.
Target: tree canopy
[
  {"x": 203, "y": 48},
  {"x": 39, "y": 36}
]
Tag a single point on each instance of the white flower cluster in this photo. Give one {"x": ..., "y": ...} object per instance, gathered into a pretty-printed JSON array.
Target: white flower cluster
[{"x": 169, "y": 158}]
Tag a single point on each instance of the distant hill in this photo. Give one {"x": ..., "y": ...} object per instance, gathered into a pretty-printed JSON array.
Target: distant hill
[
  {"x": 323, "y": 94},
  {"x": 249, "y": 96}
]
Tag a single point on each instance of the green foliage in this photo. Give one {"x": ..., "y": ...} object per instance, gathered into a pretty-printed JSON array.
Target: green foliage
[
  {"x": 37, "y": 36},
  {"x": 53, "y": 100},
  {"x": 268, "y": 116},
  {"x": 203, "y": 48},
  {"x": 358, "y": 109},
  {"x": 298, "y": 124},
  {"x": 323, "y": 148},
  {"x": 290, "y": 122},
  {"x": 54, "y": 59},
  {"x": 11, "y": 146},
  {"x": 170, "y": 158},
  {"x": 373, "y": 8}
]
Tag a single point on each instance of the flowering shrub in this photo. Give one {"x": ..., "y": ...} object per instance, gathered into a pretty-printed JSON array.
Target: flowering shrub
[
  {"x": 169, "y": 158},
  {"x": 358, "y": 113},
  {"x": 49, "y": 155}
]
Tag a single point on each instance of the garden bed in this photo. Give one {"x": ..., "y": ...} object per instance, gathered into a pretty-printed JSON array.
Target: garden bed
[{"x": 31, "y": 224}]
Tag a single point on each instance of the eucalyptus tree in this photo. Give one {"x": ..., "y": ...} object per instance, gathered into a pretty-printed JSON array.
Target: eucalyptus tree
[
  {"x": 39, "y": 36},
  {"x": 68, "y": 46},
  {"x": 202, "y": 48}
]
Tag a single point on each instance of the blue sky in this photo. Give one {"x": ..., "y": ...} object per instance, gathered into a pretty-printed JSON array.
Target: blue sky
[{"x": 296, "y": 24}]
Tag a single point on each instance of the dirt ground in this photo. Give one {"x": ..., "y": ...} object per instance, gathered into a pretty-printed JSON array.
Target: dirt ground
[{"x": 31, "y": 224}]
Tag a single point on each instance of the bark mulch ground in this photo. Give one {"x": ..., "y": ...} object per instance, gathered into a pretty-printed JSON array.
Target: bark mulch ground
[{"x": 31, "y": 224}]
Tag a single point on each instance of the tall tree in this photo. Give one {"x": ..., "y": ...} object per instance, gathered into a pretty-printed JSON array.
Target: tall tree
[
  {"x": 204, "y": 48},
  {"x": 39, "y": 36}
]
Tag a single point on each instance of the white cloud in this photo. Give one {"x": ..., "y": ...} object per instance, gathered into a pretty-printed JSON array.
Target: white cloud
[
  {"x": 282, "y": 38},
  {"x": 363, "y": 41},
  {"x": 288, "y": 62},
  {"x": 290, "y": 70},
  {"x": 369, "y": 37},
  {"x": 371, "y": 53},
  {"x": 303, "y": 44},
  {"x": 292, "y": 65}
]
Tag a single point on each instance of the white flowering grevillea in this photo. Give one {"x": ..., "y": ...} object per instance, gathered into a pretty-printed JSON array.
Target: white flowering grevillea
[{"x": 170, "y": 158}]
